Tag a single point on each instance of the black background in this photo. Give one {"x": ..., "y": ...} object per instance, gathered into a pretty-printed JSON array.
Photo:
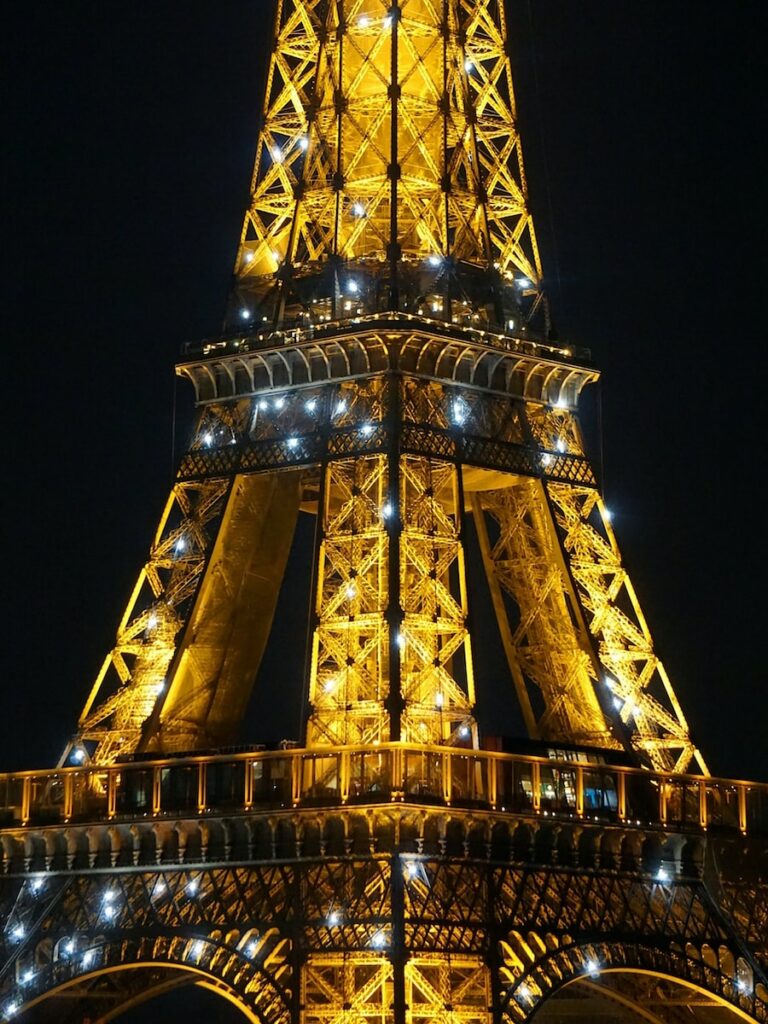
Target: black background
[{"x": 128, "y": 138}]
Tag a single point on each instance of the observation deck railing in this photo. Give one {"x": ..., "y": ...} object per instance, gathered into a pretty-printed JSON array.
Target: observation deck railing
[
  {"x": 254, "y": 339},
  {"x": 227, "y": 784}
]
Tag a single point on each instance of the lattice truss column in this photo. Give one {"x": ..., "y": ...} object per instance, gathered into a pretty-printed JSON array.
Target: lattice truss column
[
  {"x": 132, "y": 679},
  {"x": 576, "y": 640},
  {"x": 436, "y": 660},
  {"x": 641, "y": 690},
  {"x": 350, "y": 166},
  {"x": 363, "y": 644},
  {"x": 350, "y": 661},
  {"x": 444, "y": 988}
]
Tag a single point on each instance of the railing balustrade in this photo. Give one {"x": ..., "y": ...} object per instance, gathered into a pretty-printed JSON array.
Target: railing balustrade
[{"x": 446, "y": 776}]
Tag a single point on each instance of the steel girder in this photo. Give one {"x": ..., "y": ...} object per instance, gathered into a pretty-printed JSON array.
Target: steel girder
[{"x": 398, "y": 936}]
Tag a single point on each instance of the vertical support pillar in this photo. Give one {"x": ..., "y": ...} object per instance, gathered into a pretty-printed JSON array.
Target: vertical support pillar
[
  {"x": 742, "y": 797},
  {"x": 296, "y": 771},
  {"x": 69, "y": 788},
  {"x": 26, "y": 799},
  {"x": 394, "y": 164},
  {"x": 621, "y": 796},
  {"x": 202, "y": 796},
  {"x": 398, "y": 954},
  {"x": 248, "y": 785},
  {"x": 112, "y": 777},
  {"x": 493, "y": 780},
  {"x": 156, "y": 790},
  {"x": 317, "y": 575},
  {"x": 536, "y": 786},
  {"x": 395, "y": 704},
  {"x": 580, "y": 792}
]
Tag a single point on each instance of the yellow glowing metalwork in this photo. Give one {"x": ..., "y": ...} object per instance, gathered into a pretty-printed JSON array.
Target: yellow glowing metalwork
[
  {"x": 132, "y": 679},
  {"x": 581, "y": 638},
  {"x": 390, "y": 134},
  {"x": 388, "y": 179},
  {"x": 449, "y": 989},
  {"x": 354, "y": 643}
]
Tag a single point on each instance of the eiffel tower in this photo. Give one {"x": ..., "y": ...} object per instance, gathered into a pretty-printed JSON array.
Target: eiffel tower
[{"x": 386, "y": 374}]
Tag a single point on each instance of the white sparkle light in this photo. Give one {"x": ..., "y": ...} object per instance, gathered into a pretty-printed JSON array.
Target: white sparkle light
[{"x": 459, "y": 412}]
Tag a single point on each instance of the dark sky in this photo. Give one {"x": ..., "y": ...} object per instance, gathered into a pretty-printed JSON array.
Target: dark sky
[
  {"x": 127, "y": 150},
  {"x": 128, "y": 137}
]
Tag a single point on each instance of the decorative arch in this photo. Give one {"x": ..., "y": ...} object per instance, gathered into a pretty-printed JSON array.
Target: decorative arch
[
  {"x": 235, "y": 969},
  {"x": 715, "y": 972}
]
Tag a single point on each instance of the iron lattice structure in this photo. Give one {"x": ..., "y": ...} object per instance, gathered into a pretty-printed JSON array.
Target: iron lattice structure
[{"x": 386, "y": 370}]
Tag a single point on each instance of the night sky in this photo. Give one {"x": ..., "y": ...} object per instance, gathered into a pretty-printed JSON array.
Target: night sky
[{"x": 127, "y": 147}]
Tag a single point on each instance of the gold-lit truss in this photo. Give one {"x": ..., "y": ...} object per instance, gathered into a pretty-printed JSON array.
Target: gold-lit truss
[
  {"x": 389, "y": 135},
  {"x": 640, "y": 690},
  {"x": 384, "y": 381},
  {"x": 133, "y": 676},
  {"x": 369, "y": 636},
  {"x": 350, "y": 679},
  {"x": 358, "y": 987},
  {"x": 579, "y": 649}
]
